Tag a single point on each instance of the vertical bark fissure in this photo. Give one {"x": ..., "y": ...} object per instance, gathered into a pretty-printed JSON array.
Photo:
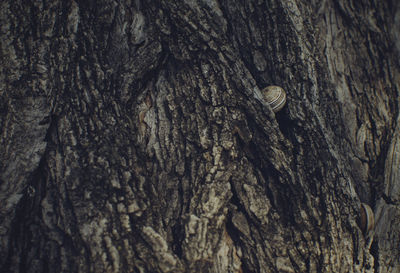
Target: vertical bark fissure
[{"x": 153, "y": 150}]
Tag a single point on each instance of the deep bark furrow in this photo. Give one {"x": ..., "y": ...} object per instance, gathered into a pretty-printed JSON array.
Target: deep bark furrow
[{"x": 135, "y": 136}]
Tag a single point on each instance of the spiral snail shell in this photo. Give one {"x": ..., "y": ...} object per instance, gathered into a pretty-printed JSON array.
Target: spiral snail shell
[
  {"x": 275, "y": 96},
  {"x": 367, "y": 220}
]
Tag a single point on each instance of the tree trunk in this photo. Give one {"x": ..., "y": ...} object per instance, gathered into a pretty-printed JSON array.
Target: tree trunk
[{"x": 135, "y": 137}]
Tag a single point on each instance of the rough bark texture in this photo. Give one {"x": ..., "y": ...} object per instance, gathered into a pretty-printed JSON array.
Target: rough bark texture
[{"x": 134, "y": 137}]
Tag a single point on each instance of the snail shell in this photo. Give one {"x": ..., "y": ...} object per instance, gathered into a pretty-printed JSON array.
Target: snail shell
[
  {"x": 367, "y": 220},
  {"x": 275, "y": 96}
]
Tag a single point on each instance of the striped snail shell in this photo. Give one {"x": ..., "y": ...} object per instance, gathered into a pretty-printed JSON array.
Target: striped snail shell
[
  {"x": 367, "y": 219},
  {"x": 275, "y": 96}
]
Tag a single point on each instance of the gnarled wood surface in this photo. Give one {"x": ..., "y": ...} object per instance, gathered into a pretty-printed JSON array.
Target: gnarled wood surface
[{"x": 135, "y": 138}]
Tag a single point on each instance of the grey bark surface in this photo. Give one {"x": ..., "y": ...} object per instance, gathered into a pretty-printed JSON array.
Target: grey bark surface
[{"x": 134, "y": 136}]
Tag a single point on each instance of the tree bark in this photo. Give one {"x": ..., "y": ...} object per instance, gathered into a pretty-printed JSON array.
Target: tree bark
[{"x": 135, "y": 138}]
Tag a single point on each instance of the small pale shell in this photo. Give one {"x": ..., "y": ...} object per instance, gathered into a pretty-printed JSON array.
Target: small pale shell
[
  {"x": 367, "y": 219},
  {"x": 275, "y": 96}
]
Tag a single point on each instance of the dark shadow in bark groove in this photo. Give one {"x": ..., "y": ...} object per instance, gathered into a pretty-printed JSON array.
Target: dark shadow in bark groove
[
  {"x": 286, "y": 125},
  {"x": 177, "y": 235},
  {"x": 22, "y": 237},
  {"x": 234, "y": 233},
  {"x": 374, "y": 250},
  {"x": 252, "y": 154}
]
